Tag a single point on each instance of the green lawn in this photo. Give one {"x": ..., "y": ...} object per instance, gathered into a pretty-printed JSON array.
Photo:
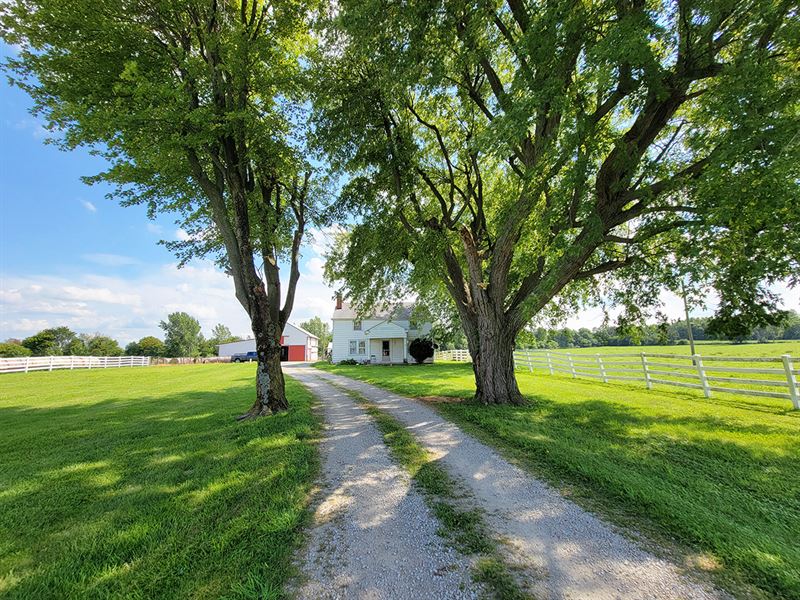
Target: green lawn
[
  {"x": 138, "y": 483},
  {"x": 720, "y": 476}
]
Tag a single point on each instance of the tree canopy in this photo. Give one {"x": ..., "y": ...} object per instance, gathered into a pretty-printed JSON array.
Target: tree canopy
[
  {"x": 320, "y": 329},
  {"x": 516, "y": 153},
  {"x": 198, "y": 108},
  {"x": 182, "y": 335}
]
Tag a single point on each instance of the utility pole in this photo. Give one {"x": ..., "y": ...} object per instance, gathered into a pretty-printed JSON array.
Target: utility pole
[{"x": 688, "y": 320}]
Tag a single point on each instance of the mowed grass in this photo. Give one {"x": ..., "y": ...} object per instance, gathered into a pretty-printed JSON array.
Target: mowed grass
[
  {"x": 717, "y": 358},
  {"x": 719, "y": 476},
  {"x": 138, "y": 483}
]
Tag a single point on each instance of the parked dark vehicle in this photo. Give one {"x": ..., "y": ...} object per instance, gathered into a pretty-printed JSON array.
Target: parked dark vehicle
[{"x": 244, "y": 357}]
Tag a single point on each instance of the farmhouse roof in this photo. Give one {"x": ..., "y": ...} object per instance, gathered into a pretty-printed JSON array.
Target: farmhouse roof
[{"x": 399, "y": 311}]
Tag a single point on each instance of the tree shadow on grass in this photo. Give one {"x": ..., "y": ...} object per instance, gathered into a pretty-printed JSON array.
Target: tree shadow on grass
[
  {"x": 716, "y": 483},
  {"x": 159, "y": 496}
]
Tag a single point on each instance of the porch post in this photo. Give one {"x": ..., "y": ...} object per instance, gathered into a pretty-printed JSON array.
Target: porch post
[{"x": 405, "y": 348}]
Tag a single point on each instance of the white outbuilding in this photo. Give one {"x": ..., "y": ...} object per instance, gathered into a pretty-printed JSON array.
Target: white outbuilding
[{"x": 297, "y": 344}]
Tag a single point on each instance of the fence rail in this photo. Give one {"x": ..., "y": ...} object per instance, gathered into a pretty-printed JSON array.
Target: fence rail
[
  {"x": 698, "y": 372},
  {"x": 24, "y": 364},
  {"x": 455, "y": 355}
]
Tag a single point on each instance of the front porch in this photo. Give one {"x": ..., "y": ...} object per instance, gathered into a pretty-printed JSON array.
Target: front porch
[{"x": 387, "y": 343}]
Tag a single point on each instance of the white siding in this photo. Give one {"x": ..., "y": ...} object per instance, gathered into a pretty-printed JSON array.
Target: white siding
[
  {"x": 237, "y": 347},
  {"x": 292, "y": 336}
]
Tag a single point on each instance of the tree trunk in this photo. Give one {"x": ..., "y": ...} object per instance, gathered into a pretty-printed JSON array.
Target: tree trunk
[
  {"x": 270, "y": 388},
  {"x": 492, "y": 354}
]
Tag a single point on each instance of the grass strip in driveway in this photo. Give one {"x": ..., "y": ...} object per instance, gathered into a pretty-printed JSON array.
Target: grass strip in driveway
[
  {"x": 139, "y": 483},
  {"x": 716, "y": 481},
  {"x": 463, "y": 527}
]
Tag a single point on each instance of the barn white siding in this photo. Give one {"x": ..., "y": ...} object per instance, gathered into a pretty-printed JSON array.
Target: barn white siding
[
  {"x": 293, "y": 336},
  {"x": 237, "y": 347}
]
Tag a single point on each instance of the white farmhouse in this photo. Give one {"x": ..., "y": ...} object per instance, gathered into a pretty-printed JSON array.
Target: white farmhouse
[
  {"x": 382, "y": 337},
  {"x": 297, "y": 344}
]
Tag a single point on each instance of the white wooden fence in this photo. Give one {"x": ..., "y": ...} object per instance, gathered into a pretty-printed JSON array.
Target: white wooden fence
[
  {"x": 456, "y": 355},
  {"x": 24, "y": 364},
  {"x": 706, "y": 373}
]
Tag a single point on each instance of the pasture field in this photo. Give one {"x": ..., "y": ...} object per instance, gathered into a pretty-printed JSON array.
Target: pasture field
[
  {"x": 725, "y": 365},
  {"x": 771, "y": 349},
  {"x": 716, "y": 482},
  {"x": 138, "y": 483}
]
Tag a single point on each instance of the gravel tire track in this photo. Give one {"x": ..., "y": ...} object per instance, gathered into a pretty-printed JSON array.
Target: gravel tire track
[
  {"x": 373, "y": 536},
  {"x": 568, "y": 552}
]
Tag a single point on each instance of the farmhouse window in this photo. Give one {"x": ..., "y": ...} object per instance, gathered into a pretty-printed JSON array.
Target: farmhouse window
[{"x": 358, "y": 347}]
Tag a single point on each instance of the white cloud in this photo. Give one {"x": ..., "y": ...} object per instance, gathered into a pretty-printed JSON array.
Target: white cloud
[
  {"x": 105, "y": 295},
  {"x": 125, "y": 308},
  {"x": 111, "y": 260},
  {"x": 182, "y": 235},
  {"x": 154, "y": 228},
  {"x": 89, "y": 206},
  {"x": 10, "y": 297}
]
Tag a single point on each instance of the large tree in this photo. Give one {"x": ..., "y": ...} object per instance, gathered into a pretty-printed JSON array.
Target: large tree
[
  {"x": 196, "y": 107},
  {"x": 516, "y": 153},
  {"x": 182, "y": 335}
]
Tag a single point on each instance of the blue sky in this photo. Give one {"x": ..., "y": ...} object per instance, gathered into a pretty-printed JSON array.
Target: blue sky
[{"x": 69, "y": 256}]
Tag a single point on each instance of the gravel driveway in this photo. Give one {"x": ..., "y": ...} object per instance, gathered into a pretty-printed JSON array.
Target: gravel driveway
[
  {"x": 373, "y": 536},
  {"x": 568, "y": 552}
]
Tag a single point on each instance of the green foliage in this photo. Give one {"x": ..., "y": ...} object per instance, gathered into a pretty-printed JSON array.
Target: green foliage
[
  {"x": 54, "y": 342},
  {"x": 535, "y": 159},
  {"x": 320, "y": 329},
  {"x": 671, "y": 465},
  {"x": 198, "y": 110},
  {"x": 11, "y": 350},
  {"x": 76, "y": 347},
  {"x": 181, "y": 335},
  {"x": 147, "y": 346},
  {"x": 43, "y": 343},
  {"x": 421, "y": 349},
  {"x": 737, "y": 322},
  {"x": 222, "y": 335},
  {"x": 102, "y": 345},
  {"x": 665, "y": 333},
  {"x": 150, "y": 469}
]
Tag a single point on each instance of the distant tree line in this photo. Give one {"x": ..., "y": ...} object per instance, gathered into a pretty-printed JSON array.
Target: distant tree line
[
  {"x": 661, "y": 334},
  {"x": 182, "y": 337}
]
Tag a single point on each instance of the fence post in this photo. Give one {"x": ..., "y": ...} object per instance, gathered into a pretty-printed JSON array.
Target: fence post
[
  {"x": 602, "y": 369},
  {"x": 51, "y": 364},
  {"x": 549, "y": 362},
  {"x": 791, "y": 380},
  {"x": 90, "y": 362},
  {"x": 71, "y": 362},
  {"x": 572, "y": 365},
  {"x": 646, "y": 372},
  {"x": 27, "y": 363},
  {"x": 702, "y": 372},
  {"x": 528, "y": 358}
]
